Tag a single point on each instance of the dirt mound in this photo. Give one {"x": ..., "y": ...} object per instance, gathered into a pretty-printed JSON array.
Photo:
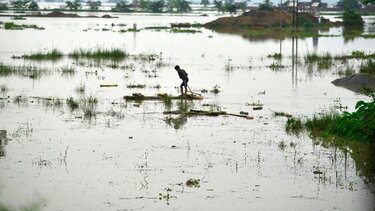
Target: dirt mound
[
  {"x": 259, "y": 19},
  {"x": 58, "y": 14},
  {"x": 356, "y": 82}
]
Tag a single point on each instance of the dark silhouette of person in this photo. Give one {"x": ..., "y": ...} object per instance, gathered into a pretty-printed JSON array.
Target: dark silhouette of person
[{"x": 184, "y": 77}]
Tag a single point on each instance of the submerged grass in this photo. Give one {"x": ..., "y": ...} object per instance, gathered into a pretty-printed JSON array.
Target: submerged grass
[
  {"x": 22, "y": 71},
  {"x": 352, "y": 126},
  {"x": 13, "y": 26},
  {"x": 54, "y": 54},
  {"x": 368, "y": 67},
  {"x": 99, "y": 54}
]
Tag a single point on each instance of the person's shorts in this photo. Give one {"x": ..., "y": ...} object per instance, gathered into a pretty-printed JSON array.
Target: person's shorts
[{"x": 184, "y": 83}]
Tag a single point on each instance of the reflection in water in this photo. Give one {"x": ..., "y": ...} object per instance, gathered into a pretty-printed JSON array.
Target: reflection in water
[
  {"x": 3, "y": 142},
  {"x": 183, "y": 106},
  {"x": 350, "y": 33},
  {"x": 294, "y": 61},
  {"x": 361, "y": 153}
]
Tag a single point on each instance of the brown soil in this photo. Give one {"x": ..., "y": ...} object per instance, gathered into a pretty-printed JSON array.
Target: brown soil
[{"x": 258, "y": 19}]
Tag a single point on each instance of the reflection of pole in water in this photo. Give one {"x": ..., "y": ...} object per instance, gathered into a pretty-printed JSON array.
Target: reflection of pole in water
[
  {"x": 134, "y": 36},
  {"x": 315, "y": 43},
  {"x": 294, "y": 60}
]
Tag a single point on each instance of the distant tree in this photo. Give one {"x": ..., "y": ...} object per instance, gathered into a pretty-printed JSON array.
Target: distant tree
[
  {"x": 230, "y": 6},
  {"x": 122, "y": 6},
  {"x": 19, "y": 4},
  {"x": 94, "y": 5},
  {"x": 366, "y": 2},
  {"x": 352, "y": 19},
  {"x": 205, "y": 2},
  {"x": 182, "y": 5},
  {"x": 266, "y": 5},
  {"x": 75, "y": 5},
  {"x": 144, "y": 4},
  {"x": 241, "y": 5},
  {"x": 171, "y": 5},
  {"x": 348, "y": 4},
  {"x": 33, "y": 6},
  {"x": 4, "y": 6},
  {"x": 219, "y": 5},
  {"x": 156, "y": 5}
]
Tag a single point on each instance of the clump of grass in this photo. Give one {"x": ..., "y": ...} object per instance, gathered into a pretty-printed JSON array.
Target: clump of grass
[
  {"x": 54, "y": 54},
  {"x": 282, "y": 114},
  {"x": 294, "y": 125},
  {"x": 19, "y": 99},
  {"x": 324, "y": 61},
  {"x": 68, "y": 70},
  {"x": 215, "y": 89},
  {"x": 349, "y": 70},
  {"x": 276, "y": 66},
  {"x": 368, "y": 67},
  {"x": 157, "y": 28},
  {"x": 5, "y": 69},
  {"x": 113, "y": 54},
  {"x": 276, "y": 56},
  {"x": 282, "y": 145},
  {"x": 3, "y": 88},
  {"x": 136, "y": 86},
  {"x": 13, "y": 26},
  {"x": 193, "y": 183},
  {"x": 54, "y": 102},
  {"x": 72, "y": 104},
  {"x": 88, "y": 106},
  {"x": 81, "y": 88},
  {"x": 193, "y": 31}
]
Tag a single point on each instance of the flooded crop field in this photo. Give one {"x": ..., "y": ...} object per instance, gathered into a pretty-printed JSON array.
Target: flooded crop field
[{"x": 70, "y": 141}]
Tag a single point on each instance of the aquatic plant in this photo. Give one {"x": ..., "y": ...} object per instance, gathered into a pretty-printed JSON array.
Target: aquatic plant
[
  {"x": 175, "y": 30},
  {"x": 352, "y": 19},
  {"x": 136, "y": 86},
  {"x": 294, "y": 125},
  {"x": 80, "y": 88},
  {"x": 167, "y": 99},
  {"x": 68, "y": 70},
  {"x": 275, "y": 113},
  {"x": 113, "y": 54},
  {"x": 13, "y": 26},
  {"x": 54, "y": 54},
  {"x": 276, "y": 56},
  {"x": 72, "y": 104},
  {"x": 215, "y": 89},
  {"x": 19, "y": 99},
  {"x": 324, "y": 61},
  {"x": 3, "y": 88},
  {"x": 88, "y": 106},
  {"x": 368, "y": 67}
]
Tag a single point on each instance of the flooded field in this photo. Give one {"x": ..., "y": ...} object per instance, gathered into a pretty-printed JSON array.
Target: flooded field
[{"x": 69, "y": 141}]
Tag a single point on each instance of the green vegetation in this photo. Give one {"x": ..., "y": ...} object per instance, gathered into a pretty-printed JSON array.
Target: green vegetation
[
  {"x": 113, "y": 54},
  {"x": 174, "y": 30},
  {"x": 348, "y": 4},
  {"x": 73, "y": 5},
  {"x": 80, "y": 88},
  {"x": 215, "y": 89},
  {"x": 276, "y": 56},
  {"x": 352, "y": 126},
  {"x": 324, "y": 61},
  {"x": 72, "y": 104},
  {"x": 193, "y": 183},
  {"x": 68, "y": 70},
  {"x": 51, "y": 55},
  {"x": 23, "y": 71},
  {"x": 13, "y": 26},
  {"x": 88, "y": 106},
  {"x": 368, "y": 67},
  {"x": 294, "y": 125},
  {"x": 282, "y": 114},
  {"x": 352, "y": 19},
  {"x": 266, "y": 5},
  {"x": 136, "y": 86},
  {"x": 122, "y": 6}
]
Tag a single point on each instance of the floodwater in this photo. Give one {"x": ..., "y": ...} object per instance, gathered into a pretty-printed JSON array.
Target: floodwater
[{"x": 130, "y": 157}]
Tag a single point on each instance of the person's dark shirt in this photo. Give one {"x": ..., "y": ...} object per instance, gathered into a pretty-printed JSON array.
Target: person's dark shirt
[{"x": 182, "y": 74}]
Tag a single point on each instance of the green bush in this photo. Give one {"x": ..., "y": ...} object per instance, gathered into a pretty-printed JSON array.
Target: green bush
[{"x": 352, "y": 19}]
